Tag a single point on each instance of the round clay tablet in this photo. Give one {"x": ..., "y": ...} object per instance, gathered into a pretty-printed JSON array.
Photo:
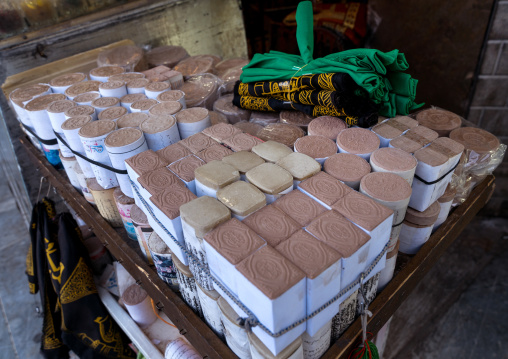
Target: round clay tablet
[
  {"x": 358, "y": 141},
  {"x": 441, "y": 121},
  {"x": 123, "y": 137},
  {"x": 346, "y": 167},
  {"x": 475, "y": 139},
  {"x": 296, "y": 118},
  {"x": 425, "y": 218},
  {"x": 326, "y": 126},
  {"x": 385, "y": 186},
  {"x": 393, "y": 159},
  {"x": 316, "y": 146},
  {"x": 281, "y": 132}
]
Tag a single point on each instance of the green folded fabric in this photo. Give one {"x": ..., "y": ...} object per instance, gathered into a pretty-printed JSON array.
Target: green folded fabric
[{"x": 378, "y": 73}]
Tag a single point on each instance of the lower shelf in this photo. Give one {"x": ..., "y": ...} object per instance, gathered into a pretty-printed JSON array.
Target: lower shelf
[{"x": 197, "y": 332}]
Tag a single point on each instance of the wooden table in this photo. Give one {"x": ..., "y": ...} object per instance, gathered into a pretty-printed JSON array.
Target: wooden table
[{"x": 196, "y": 331}]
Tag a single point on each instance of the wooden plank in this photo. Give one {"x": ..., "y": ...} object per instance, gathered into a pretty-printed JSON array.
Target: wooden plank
[
  {"x": 190, "y": 325},
  {"x": 406, "y": 280},
  {"x": 82, "y": 62}
]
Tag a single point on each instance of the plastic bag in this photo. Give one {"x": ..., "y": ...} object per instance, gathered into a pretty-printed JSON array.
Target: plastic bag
[
  {"x": 197, "y": 65},
  {"x": 166, "y": 55},
  {"x": 201, "y": 90},
  {"x": 131, "y": 58},
  {"x": 224, "y": 105}
]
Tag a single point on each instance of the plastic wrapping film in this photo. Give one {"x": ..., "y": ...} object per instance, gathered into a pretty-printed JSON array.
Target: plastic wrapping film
[
  {"x": 199, "y": 64},
  {"x": 229, "y": 72},
  {"x": 472, "y": 169},
  {"x": 281, "y": 132},
  {"x": 473, "y": 166},
  {"x": 130, "y": 57},
  {"x": 201, "y": 90}
]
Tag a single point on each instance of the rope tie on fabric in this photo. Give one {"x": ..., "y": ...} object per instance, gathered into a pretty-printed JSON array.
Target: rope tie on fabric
[{"x": 251, "y": 320}]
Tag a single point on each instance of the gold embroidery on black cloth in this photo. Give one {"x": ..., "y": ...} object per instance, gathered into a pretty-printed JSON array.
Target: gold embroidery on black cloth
[
  {"x": 49, "y": 339},
  {"x": 108, "y": 336},
  {"x": 30, "y": 261},
  {"x": 79, "y": 285}
]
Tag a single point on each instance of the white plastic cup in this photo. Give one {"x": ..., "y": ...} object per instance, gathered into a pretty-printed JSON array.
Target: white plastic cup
[
  {"x": 118, "y": 155},
  {"x": 164, "y": 134},
  {"x": 95, "y": 150},
  {"x": 119, "y": 91}
]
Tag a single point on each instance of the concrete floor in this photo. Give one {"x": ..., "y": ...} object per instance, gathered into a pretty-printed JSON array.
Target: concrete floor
[
  {"x": 20, "y": 328},
  {"x": 476, "y": 326}
]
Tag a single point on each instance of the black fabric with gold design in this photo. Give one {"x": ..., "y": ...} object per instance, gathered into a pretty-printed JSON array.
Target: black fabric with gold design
[
  {"x": 336, "y": 91},
  {"x": 74, "y": 316},
  {"x": 267, "y": 104}
]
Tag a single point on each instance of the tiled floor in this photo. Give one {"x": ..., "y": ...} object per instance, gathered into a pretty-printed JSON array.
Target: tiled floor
[
  {"x": 476, "y": 326},
  {"x": 20, "y": 328}
]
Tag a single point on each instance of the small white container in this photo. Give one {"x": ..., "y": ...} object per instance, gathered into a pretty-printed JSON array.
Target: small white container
[
  {"x": 86, "y": 99},
  {"x": 316, "y": 345},
  {"x": 280, "y": 303},
  {"x": 274, "y": 181},
  {"x": 373, "y": 218},
  {"x": 236, "y": 336},
  {"x": 391, "y": 191},
  {"x": 211, "y": 311},
  {"x": 104, "y": 72},
  {"x": 413, "y": 237},
  {"x": 80, "y": 88},
  {"x": 435, "y": 162},
  {"x": 83, "y": 185},
  {"x": 187, "y": 286},
  {"x": 21, "y": 96},
  {"x": 69, "y": 164},
  {"x": 56, "y": 115},
  {"x": 160, "y": 132},
  {"x": 395, "y": 161},
  {"x": 322, "y": 267},
  {"x": 445, "y": 204},
  {"x": 36, "y": 110},
  {"x": 173, "y": 95},
  {"x": 192, "y": 121},
  {"x": 113, "y": 89},
  {"x": 226, "y": 246},
  {"x": 70, "y": 128},
  {"x": 153, "y": 89},
  {"x": 139, "y": 306},
  {"x": 103, "y": 103},
  {"x": 184, "y": 169},
  {"x": 143, "y": 105},
  {"x": 199, "y": 217},
  {"x": 84, "y": 110},
  {"x": 260, "y": 350},
  {"x": 121, "y": 145},
  {"x": 137, "y": 85},
  {"x": 358, "y": 141},
  {"x": 92, "y": 137},
  {"x": 63, "y": 82},
  {"x": 386, "y": 274},
  {"x": 127, "y": 100},
  {"x": 179, "y": 349}
]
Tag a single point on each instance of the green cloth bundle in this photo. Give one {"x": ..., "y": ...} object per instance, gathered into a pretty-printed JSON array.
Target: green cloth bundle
[{"x": 381, "y": 75}]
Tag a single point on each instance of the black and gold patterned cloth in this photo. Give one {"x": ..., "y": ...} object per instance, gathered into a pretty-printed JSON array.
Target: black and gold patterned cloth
[
  {"x": 332, "y": 94},
  {"x": 58, "y": 267}
]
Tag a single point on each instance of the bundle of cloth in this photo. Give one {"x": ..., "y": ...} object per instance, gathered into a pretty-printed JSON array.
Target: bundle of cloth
[
  {"x": 355, "y": 85},
  {"x": 331, "y": 94}
]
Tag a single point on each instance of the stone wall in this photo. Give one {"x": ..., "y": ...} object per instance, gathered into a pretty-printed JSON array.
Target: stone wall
[{"x": 489, "y": 107}]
